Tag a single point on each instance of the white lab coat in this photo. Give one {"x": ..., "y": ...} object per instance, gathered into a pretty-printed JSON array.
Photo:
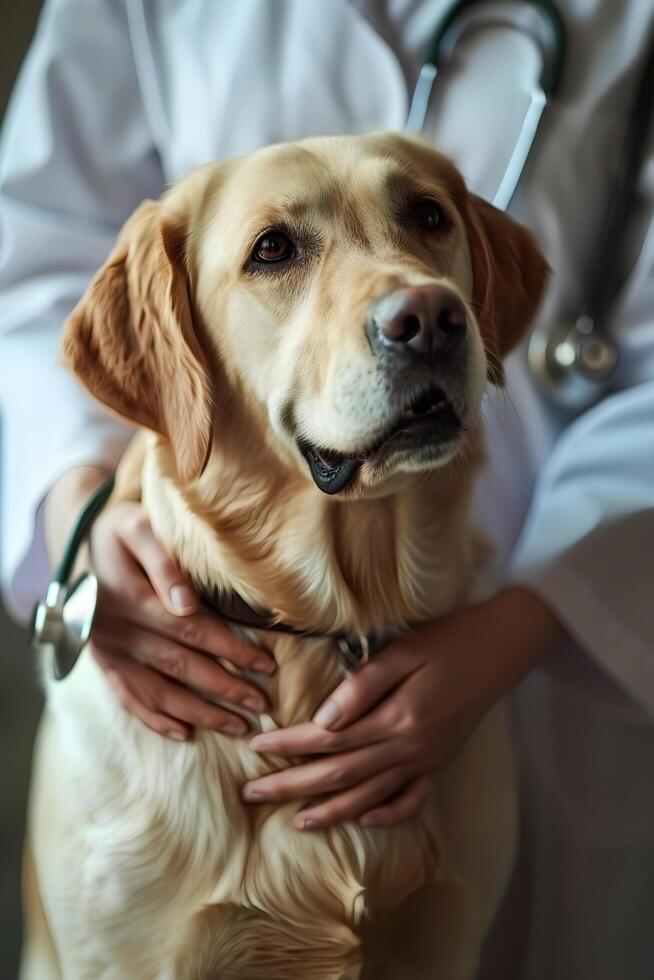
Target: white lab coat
[{"x": 118, "y": 98}]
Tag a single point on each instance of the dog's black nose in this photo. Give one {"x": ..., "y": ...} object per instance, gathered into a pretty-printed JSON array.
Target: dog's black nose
[{"x": 429, "y": 320}]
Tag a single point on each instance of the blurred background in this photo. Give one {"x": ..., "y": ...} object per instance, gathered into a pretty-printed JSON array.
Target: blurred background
[{"x": 19, "y": 694}]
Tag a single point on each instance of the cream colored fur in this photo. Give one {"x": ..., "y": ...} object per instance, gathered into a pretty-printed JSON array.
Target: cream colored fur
[{"x": 148, "y": 863}]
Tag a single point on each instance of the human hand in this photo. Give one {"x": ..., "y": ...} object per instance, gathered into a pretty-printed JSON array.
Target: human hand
[
  {"x": 159, "y": 650},
  {"x": 383, "y": 733}
]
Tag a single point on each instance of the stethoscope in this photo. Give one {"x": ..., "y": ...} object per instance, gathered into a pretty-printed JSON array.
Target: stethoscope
[{"x": 572, "y": 362}]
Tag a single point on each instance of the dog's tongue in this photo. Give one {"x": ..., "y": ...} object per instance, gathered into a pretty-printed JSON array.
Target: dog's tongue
[{"x": 331, "y": 476}]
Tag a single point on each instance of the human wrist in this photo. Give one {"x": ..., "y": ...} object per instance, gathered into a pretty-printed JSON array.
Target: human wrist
[
  {"x": 525, "y": 629},
  {"x": 534, "y": 617},
  {"x": 64, "y": 502}
]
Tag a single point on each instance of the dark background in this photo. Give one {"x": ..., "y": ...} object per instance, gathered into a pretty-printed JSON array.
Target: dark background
[{"x": 19, "y": 693}]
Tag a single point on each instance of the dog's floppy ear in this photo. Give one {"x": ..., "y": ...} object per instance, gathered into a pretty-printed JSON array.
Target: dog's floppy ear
[
  {"x": 132, "y": 342},
  {"x": 509, "y": 275}
]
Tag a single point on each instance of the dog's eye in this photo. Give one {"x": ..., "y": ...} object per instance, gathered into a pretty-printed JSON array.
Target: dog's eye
[
  {"x": 427, "y": 215},
  {"x": 273, "y": 246}
]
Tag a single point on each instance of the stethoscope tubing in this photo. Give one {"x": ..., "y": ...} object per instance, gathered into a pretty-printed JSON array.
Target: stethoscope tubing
[
  {"x": 589, "y": 332},
  {"x": 516, "y": 165},
  {"x": 445, "y": 39}
]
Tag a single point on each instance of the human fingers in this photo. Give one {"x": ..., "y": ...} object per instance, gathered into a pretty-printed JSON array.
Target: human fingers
[
  {"x": 357, "y": 694},
  {"x": 401, "y": 807},
  {"x": 131, "y": 702},
  {"x": 206, "y": 632},
  {"x": 356, "y": 801},
  {"x": 122, "y": 548},
  {"x": 184, "y": 665},
  {"x": 126, "y": 527},
  {"x": 326, "y": 775},
  {"x": 378, "y": 726},
  {"x": 159, "y": 702}
]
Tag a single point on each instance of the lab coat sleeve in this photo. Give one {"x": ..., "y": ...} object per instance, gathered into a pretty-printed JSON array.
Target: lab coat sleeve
[
  {"x": 587, "y": 547},
  {"x": 76, "y": 158}
]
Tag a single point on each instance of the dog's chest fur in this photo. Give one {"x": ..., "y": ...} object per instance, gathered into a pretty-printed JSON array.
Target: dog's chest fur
[
  {"x": 197, "y": 883},
  {"x": 173, "y": 861}
]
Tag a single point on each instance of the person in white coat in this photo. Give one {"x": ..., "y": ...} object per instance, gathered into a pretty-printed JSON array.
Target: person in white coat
[{"x": 116, "y": 100}]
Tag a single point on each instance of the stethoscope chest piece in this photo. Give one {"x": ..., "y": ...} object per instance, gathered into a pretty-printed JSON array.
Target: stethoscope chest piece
[
  {"x": 573, "y": 363},
  {"x": 62, "y": 622}
]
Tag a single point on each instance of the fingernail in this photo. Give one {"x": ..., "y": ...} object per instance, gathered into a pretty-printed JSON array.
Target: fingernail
[
  {"x": 253, "y": 702},
  {"x": 305, "y": 823},
  {"x": 234, "y": 728},
  {"x": 176, "y": 736},
  {"x": 183, "y": 598},
  {"x": 264, "y": 664},
  {"x": 252, "y": 795},
  {"x": 327, "y": 715},
  {"x": 260, "y": 743}
]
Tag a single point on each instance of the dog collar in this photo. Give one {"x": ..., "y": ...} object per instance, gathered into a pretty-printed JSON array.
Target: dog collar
[
  {"x": 62, "y": 621},
  {"x": 355, "y": 650}
]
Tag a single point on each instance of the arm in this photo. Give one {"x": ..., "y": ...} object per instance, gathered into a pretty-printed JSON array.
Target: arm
[
  {"x": 76, "y": 158},
  {"x": 383, "y": 731},
  {"x": 587, "y": 548},
  {"x": 160, "y": 652},
  {"x": 583, "y": 567}
]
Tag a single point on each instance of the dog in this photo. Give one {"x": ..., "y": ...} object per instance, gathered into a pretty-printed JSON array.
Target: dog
[{"x": 304, "y": 335}]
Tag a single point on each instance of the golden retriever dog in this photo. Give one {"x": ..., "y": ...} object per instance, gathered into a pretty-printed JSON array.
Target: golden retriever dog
[{"x": 305, "y": 335}]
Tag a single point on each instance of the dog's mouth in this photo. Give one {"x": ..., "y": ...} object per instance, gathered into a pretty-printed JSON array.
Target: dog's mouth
[{"x": 426, "y": 423}]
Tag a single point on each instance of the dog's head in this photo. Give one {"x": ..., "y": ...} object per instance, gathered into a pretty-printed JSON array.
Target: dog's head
[{"x": 349, "y": 293}]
